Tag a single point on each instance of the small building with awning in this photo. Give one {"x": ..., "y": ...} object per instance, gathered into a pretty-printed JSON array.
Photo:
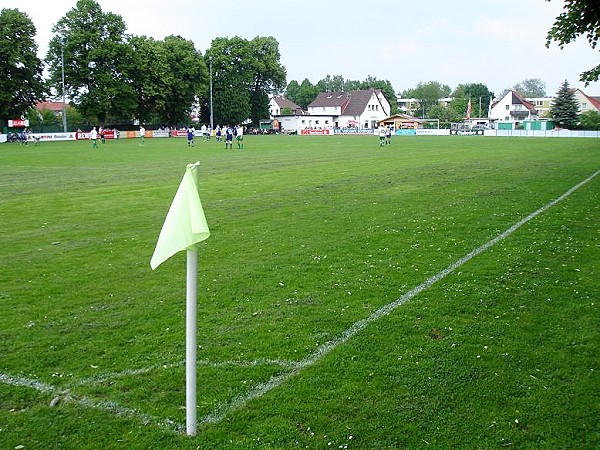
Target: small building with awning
[{"x": 401, "y": 122}]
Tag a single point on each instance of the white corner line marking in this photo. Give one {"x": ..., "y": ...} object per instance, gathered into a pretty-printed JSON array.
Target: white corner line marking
[
  {"x": 110, "y": 407},
  {"x": 294, "y": 368},
  {"x": 222, "y": 411}
]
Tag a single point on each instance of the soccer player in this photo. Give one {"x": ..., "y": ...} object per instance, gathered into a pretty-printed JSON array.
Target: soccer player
[
  {"x": 142, "y": 135},
  {"x": 240, "y": 136},
  {"x": 381, "y": 136},
  {"x": 228, "y": 137},
  {"x": 94, "y": 137},
  {"x": 190, "y": 136}
]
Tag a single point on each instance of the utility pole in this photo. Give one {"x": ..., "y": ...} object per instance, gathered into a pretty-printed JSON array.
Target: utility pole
[
  {"x": 211, "y": 94},
  {"x": 62, "y": 65}
]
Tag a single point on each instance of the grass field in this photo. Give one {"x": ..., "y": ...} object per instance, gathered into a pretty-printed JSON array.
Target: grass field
[{"x": 310, "y": 331}]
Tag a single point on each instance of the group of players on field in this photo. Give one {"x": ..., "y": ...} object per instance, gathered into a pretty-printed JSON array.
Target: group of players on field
[{"x": 226, "y": 131}]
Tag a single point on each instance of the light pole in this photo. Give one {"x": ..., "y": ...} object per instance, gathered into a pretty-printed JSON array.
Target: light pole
[
  {"x": 62, "y": 65},
  {"x": 211, "y": 94}
]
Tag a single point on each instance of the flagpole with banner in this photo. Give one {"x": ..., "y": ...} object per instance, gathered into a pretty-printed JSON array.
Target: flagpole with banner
[
  {"x": 469, "y": 109},
  {"x": 184, "y": 227}
]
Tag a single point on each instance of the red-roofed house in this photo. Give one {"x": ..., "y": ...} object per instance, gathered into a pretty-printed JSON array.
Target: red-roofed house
[
  {"x": 55, "y": 107},
  {"x": 586, "y": 102},
  {"x": 513, "y": 108}
]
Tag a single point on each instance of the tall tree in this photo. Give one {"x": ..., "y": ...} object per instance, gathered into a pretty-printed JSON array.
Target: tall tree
[
  {"x": 152, "y": 85},
  {"x": 307, "y": 94},
  {"x": 578, "y": 17},
  {"x": 479, "y": 94},
  {"x": 268, "y": 75},
  {"x": 231, "y": 80},
  {"x": 45, "y": 117},
  {"x": 292, "y": 90},
  {"x": 188, "y": 79},
  {"x": 331, "y": 84},
  {"x": 531, "y": 87},
  {"x": 245, "y": 74},
  {"x": 428, "y": 94},
  {"x": 447, "y": 114},
  {"x": 565, "y": 108},
  {"x": 97, "y": 62},
  {"x": 21, "y": 81}
]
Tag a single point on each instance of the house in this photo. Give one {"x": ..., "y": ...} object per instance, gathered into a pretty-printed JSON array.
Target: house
[
  {"x": 586, "y": 102},
  {"x": 353, "y": 109},
  {"x": 285, "y": 114},
  {"x": 542, "y": 105},
  {"x": 513, "y": 108},
  {"x": 408, "y": 105},
  {"x": 55, "y": 107},
  {"x": 281, "y": 106}
]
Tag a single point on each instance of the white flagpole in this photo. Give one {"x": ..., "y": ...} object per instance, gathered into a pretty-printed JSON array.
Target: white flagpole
[{"x": 190, "y": 341}]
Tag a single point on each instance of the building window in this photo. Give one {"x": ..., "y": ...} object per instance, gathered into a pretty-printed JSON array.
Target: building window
[
  {"x": 584, "y": 106},
  {"x": 507, "y": 107}
]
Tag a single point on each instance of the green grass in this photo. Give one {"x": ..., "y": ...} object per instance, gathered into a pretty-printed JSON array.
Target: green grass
[{"x": 309, "y": 235}]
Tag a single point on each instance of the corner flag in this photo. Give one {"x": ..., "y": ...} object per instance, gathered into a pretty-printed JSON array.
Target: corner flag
[{"x": 185, "y": 224}]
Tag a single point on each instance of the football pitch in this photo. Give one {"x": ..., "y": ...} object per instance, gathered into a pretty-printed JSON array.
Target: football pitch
[{"x": 440, "y": 292}]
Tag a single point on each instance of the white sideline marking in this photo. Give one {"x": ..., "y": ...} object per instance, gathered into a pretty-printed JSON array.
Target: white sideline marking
[
  {"x": 110, "y": 407},
  {"x": 294, "y": 367},
  {"x": 221, "y": 412},
  {"x": 203, "y": 363}
]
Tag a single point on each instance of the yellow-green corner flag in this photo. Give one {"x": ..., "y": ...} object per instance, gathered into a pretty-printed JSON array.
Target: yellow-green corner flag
[{"x": 185, "y": 224}]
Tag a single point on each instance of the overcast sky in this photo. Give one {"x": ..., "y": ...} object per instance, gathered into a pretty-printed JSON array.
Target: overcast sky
[{"x": 497, "y": 43}]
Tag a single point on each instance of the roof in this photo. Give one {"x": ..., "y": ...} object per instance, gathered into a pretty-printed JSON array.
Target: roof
[
  {"x": 351, "y": 103},
  {"x": 51, "y": 106},
  {"x": 518, "y": 100},
  {"x": 595, "y": 101},
  {"x": 402, "y": 118},
  {"x": 283, "y": 102}
]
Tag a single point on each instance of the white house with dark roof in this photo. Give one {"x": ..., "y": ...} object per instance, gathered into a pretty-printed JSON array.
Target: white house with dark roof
[
  {"x": 279, "y": 106},
  {"x": 353, "y": 109},
  {"x": 513, "y": 108}
]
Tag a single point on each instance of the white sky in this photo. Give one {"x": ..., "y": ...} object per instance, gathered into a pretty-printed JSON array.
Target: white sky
[{"x": 498, "y": 43}]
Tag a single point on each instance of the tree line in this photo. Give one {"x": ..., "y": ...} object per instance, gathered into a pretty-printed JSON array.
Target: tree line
[{"x": 110, "y": 76}]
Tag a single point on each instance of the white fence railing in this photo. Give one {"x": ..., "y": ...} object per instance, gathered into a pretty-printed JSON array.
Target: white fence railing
[{"x": 544, "y": 133}]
